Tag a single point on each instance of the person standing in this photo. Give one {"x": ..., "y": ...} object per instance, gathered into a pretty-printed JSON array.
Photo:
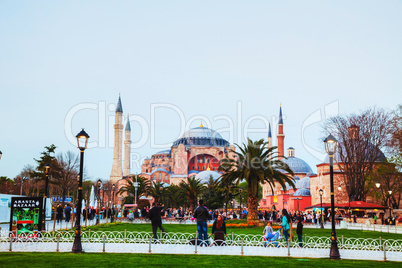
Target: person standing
[
  {"x": 285, "y": 224},
  {"x": 201, "y": 214},
  {"x": 67, "y": 212},
  {"x": 59, "y": 213},
  {"x": 299, "y": 231},
  {"x": 155, "y": 215},
  {"x": 219, "y": 230}
]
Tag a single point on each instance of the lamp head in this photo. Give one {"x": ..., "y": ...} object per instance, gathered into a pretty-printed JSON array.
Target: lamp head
[
  {"x": 339, "y": 188},
  {"x": 47, "y": 168},
  {"x": 330, "y": 145},
  {"x": 113, "y": 186},
  {"x": 1, "y": 154},
  {"x": 99, "y": 183},
  {"x": 321, "y": 192},
  {"x": 82, "y": 140},
  {"x": 377, "y": 184},
  {"x": 390, "y": 192}
]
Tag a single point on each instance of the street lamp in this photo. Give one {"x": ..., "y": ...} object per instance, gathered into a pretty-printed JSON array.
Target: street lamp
[
  {"x": 377, "y": 184},
  {"x": 112, "y": 211},
  {"x": 389, "y": 201},
  {"x": 82, "y": 141},
  {"x": 330, "y": 146},
  {"x": 1, "y": 154},
  {"x": 22, "y": 182},
  {"x": 321, "y": 221},
  {"x": 99, "y": 184},
  {"x": 47, "y": 169},
  {"x": 136, "y": 185}
]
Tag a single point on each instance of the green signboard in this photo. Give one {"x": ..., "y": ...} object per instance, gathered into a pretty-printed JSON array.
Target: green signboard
[{"x": 26, "y": 216}]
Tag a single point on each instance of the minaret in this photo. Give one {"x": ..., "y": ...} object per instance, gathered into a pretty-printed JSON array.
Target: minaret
[
  {"x": 117, "y": 173},
  {"x": 269, "y": 145},
  {"x": 127, "y": 148},
  {"x": 280, "y": 136}
]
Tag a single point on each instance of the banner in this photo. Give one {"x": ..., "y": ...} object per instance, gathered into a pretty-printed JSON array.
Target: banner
[{"x": 26, "y": 216}]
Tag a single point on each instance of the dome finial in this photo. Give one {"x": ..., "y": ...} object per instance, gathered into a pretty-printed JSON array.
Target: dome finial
[{"x": 201, "y": 124}]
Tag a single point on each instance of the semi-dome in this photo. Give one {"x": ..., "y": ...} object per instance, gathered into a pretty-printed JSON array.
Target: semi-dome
[
  {"x": 303, "y": 183},
  {"x": 297, "y": 165},
  {"x": 204, "y": 176},
  {"x": 201, "y": 136},
  {"x": 302, "y": 192}
]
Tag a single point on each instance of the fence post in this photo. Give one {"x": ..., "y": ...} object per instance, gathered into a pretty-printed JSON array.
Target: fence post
[
  {"x": 150, "y": 239},
  {"x": 104, "y": 243},
  {"x": 196, "y": 242},
  {"x": 342, "y": 242},
  {"x": 305, "y": 239},
  {"x": 385, "y": 252},
  {"x": 232, "y": 239},
  {"x": 58, "y": 241},
  {"x": 288, "y": 248},
  {"x": 89, "y": 234},
  {"x": 125, "y": 235},
  {"x": 160, "y": 239},
  {"x": 11, "y": 242},
  {"x": 380, "y": 243},
  {"x": 242, "y": 241}
]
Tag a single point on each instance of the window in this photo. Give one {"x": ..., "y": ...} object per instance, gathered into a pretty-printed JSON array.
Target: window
[
  {"x": 166, "y": 178},
  {"x": 160, "y": 176}
]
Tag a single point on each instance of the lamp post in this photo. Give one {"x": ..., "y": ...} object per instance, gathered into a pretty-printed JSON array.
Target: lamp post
[
  {"x": 136, "y": 185},
  {"x": 112, "y": 211},
  {"x": 22, "y": 182},
  {"x": 82, "y": 140},
  {"x": 99, "y": 184},
  {"x": 389, "y": 201},
  {"x": 321, "y": 218},
  {"x": 240, "y": 199},
  {"x": 330, "y": 146},
  {"x": 47, "y": 169}
]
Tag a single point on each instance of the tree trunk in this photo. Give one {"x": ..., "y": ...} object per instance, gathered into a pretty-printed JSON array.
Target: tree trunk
[{"x": 252, "y": 205}]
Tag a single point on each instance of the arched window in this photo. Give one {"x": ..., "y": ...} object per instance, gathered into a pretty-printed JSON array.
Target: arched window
[
  {"x": 166, "y": 178},
  {"x": 160, "y": 176},
  {"x": 154, "y": 177}
]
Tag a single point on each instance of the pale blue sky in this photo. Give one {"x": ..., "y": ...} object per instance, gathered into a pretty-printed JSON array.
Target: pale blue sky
[{"x": 202, "y": 57}]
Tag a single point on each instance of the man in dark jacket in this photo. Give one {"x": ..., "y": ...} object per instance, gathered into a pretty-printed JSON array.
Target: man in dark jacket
[
  {"x": 156, "y": 219},
  {"x": 67, "y": 212},
  {"x": 202, "y": 215}
]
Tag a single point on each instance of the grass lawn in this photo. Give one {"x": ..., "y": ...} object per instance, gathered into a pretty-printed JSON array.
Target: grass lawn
[
  {"x": 36, "y": 259},
  {"x": 185, "y": 228}
]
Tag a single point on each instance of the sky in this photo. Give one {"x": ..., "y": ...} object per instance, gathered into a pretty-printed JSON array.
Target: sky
[{"x": 63, "y": 65}]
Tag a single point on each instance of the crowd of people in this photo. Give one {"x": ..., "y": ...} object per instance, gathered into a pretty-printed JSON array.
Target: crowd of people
[{"x": 89, "y": 213}]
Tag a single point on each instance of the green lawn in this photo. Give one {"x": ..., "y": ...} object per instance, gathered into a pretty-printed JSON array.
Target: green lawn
[
  {"x": 184, "y": 228},
  {"x": 14, "y": 259}
]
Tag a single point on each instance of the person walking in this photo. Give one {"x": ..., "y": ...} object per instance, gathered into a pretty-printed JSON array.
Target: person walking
[
  {"x": 299, "y": 231},
  {"x": 219, "y": 230},
  {"x": 285, "y": 224},
  {"x": 201, "y": 214},
  {"x": 155, "y": 215}
]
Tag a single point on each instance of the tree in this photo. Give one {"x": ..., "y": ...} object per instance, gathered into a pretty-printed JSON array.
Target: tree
[
  {"x": 174, "y": 197},
  {"x": 192, "y": 188},
  {"x": 129, "y": 189},
  {"x": 213, "y": 195},
  {"x": 256, "y": 164},
  {"x": 46, "y": 158},
  {"x": 156, "y": 190},
  {"x": 361, "y": 137},
  {"x": 7, "y": 186},
  {"x": 66, "y": 177}
]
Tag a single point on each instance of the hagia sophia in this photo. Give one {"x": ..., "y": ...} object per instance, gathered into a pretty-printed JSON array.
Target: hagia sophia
[{"x": 198, "y": 152}]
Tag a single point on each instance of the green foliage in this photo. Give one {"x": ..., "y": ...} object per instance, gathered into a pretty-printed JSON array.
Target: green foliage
[
  {"x": 143, "y": 203},
  {"x": 129, "y": 188},
  {"x": 174, "y": 197},
  {"x": 192, "y": 189},
  {"x": 213, "y": 195}
]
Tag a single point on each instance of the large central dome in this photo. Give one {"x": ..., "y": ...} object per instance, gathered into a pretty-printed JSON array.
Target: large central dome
[{"x": 201, "y": 136}]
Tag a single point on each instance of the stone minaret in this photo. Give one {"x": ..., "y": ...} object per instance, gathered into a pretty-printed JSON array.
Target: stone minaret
[
  {"x": 117, "y": 173},
  {"x": 127, "y": 148},
  {"x": 281, "y": 136}
]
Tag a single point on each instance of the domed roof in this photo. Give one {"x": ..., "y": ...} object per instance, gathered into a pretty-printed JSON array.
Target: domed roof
[
  {"x": 204, "y": 176},
  {"x": 302, "y": 192},
  {"x": 303, "y": 183},
  {"x": 201, "y": 136},
  {"x": 297, "y": 165},
  {"x": 296, "y": 178},
  {"x": 164, "y": 152}
]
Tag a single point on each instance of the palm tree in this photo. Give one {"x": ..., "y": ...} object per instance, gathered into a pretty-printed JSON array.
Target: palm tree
[
  {"x": 192, "y": 189},
  {"x": 256, "y": 164},
  {"x": 156, "y": 190},
  {"x": 129, "y": 188}
]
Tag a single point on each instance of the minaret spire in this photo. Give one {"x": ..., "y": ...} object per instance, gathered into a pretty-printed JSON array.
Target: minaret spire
[
  {"x": 127, "y": 148},
  {"x": 117, "y": 173},
  {"x": 281, "y": 136},
  {"x": 269, "y": 145}
]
